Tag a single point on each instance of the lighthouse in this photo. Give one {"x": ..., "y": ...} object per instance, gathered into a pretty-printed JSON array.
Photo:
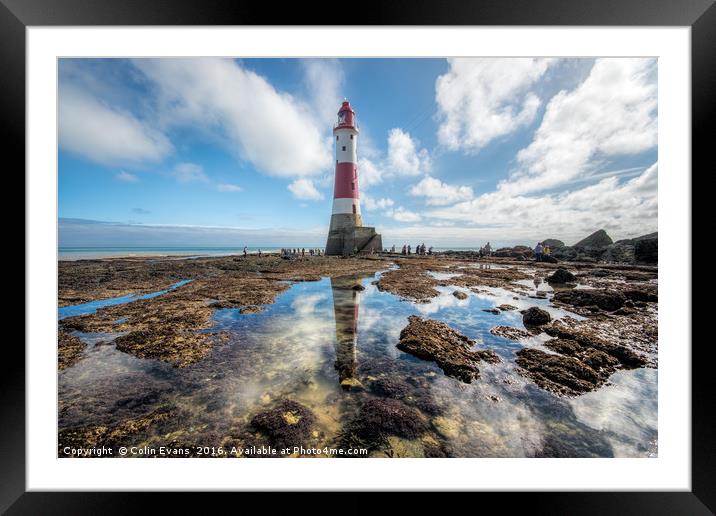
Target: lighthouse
[{"x": 347, "y": 235}]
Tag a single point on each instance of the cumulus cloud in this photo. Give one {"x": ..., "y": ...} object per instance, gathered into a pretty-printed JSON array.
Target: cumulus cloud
[
  {"x": 404, "y": 158},
  {"x": 324, "y": 82},
  {"x": 189, "y": 172},
  {"x": 369, "y": 173},
  {"x": 613, "y": 112},
  {"x": 623, "y": 208},
  {"x": 277, "y": 132},
  {"x": 480, "y": 99},
  {"x": 437, "y": 193},
  {"x": 227, "y": 187},
  {"x": 104, "y": 134},
  {"x": 376, "y": 204},
  {"x": 126, "y": 177},
  {"x": 304, "y": 189},
  {"x": 402, "y": 215}
]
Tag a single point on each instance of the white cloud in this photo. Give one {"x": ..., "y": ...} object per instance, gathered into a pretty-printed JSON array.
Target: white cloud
[
  {"x": 376, "y": 204},
  {"x": 402, "y": 215},
  {"x": 613, "y": 112},
  {"x": 480, "y": 99},
  {"x": 438, "y": 193},
  {"x": 106, "y": 135},
  {"x": 277, "y": 132},
  {"x": 404, "y": 158},
  {"x": 126, "y": 177},
  {"x": 324, "y": 82},
  {"x": 369, "y": 174},
  {"x": 625, "y": 209},
  {"x": 304, "y": 189},
  {"x": 227, "y": 187},
  {"x": 189, "y": 172}
]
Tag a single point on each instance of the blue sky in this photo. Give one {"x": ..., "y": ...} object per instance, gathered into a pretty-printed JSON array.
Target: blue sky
[{"x": 454, "y": 152}]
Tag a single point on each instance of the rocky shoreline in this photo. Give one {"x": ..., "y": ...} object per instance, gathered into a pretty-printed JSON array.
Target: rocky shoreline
[{"x": 615, "y": 328}]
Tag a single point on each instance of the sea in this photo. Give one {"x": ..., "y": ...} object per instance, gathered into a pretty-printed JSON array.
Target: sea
[{"x": 88, "y": 253}]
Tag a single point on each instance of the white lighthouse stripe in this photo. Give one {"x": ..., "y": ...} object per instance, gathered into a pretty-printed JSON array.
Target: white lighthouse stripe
[
  {"x": 345, "y": 205},
  {"x": 349, "y": 155}
]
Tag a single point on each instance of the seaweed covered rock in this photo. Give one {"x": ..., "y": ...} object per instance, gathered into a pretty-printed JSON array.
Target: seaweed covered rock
[
  {"x": 110, "y": 436},
  {"x": 378, "y": 420},
  {"x": 535, "y": 316},
  {"x": 390, "y": 387},
  {"x": 69, "y": 349},
  {"x": 436, "y": 341},
  {"x": 558, "y": 373},
  {"x": 508, "y": 332},
  {"x": 561, "y": 276},
  {"x": 287, "y": 424},
  {"x": 175, "y": 347},
  {"x": 608, "y": 300},
  {"x": 583, "y": 334},
  {"x": 459, "y": 294}
]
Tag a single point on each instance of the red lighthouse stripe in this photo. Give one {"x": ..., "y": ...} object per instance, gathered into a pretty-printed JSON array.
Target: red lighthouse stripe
[{"x": 346, "y": 181}]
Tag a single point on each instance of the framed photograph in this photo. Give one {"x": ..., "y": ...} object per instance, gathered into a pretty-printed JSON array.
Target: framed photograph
[{"x": 417, "y": 250}]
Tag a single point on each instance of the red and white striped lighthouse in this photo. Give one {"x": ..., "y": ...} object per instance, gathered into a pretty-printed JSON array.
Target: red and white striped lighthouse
[
  {"x": 346, "y": 234},
  {"x": 346, "y": 200}
]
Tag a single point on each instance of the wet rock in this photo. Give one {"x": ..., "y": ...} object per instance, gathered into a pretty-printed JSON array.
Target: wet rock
[
  {"x": 519, "y": 251},
  {"x": 644, "y": 295},
  {"x": 561, "y": 276},
  {"x": 553, "y": 243},
  {"x": 115, "y": 435},
  {"x": 535, "y": 316},
  {"x": 598, "y": 239},
  {"x": 436, "y": 341},
  {"x": 548, "y": 258},
  {"x": 608, "y": 300},
  {"x": 592, "y": 335},
  {"x": 646, "y": 249},
  {"x": 511, "y": 333},
  {"x": 557, "y": 373},
  {"x": 390, "y": 387},
  {"x": 177, "y": 348},
  {"x": 507, "y": 308},
  {"x": 69, "y": 349},
  {"x": 459, "y": 294},
  {"x": 493, "y": 311},
  {"x": 285, "y": 425},
  {"x": 410, "y": 282},
  {"x": 380, "y": 417}
]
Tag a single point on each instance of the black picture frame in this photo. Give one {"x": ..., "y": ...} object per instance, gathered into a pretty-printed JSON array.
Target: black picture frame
[{"x": 700, "y": 15}]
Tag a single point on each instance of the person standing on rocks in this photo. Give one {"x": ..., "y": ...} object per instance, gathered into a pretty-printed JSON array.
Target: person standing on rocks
[{"x": 538, "y": 252}]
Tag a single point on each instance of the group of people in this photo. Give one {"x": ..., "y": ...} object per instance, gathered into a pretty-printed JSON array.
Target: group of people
[
  {"x": 485, "y": 250},
  {"x": 301, "y": 252},
  {"x": 419, "y": 250},
  {"x": 541, "y": 251}
]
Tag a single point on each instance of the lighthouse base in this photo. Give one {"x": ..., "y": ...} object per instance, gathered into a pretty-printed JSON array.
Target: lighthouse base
[{"x": 346, "y": 240}]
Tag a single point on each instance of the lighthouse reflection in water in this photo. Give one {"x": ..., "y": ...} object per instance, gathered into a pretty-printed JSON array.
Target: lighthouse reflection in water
[{"x": 346, "y": 302}]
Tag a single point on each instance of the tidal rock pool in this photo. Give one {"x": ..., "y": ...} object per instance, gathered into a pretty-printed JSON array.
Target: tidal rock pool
[{"x": 320, "y": 369}]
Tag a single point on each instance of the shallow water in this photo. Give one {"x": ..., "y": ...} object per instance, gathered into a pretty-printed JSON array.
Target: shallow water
[
  {"x": 318, "y": 334},
  {"x": 92, "y": 306}
]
